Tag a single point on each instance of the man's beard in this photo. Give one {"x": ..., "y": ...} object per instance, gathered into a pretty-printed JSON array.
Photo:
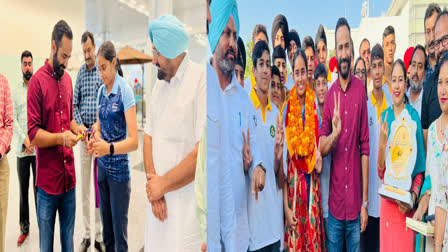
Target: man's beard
[
  {"x": 226, "y": 65},
  {"x": 27, "y": 75},
  {"x": 88, "y": 61},
  {"x": 433, "y": 53},
  {"x": 344, "y": 75},
  {"x": 57, "y": 67},
  {"x": 415, "y": 86},
  {"x": 161, "y": 75}
]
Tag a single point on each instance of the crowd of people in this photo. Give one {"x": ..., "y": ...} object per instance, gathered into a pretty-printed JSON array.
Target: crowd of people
[{"x": 296, "y": 157}]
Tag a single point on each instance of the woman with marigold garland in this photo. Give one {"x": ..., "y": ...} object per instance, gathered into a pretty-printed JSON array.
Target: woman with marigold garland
[{"x": 302, "y": 165}]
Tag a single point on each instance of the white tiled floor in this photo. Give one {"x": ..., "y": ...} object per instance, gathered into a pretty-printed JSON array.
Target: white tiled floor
[{"x": 137, "y": 208}]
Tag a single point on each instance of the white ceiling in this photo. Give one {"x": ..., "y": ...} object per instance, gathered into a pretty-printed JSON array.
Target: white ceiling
[
  {"x": 126, "y": 21},
  {"x": 116, "y": 21}
]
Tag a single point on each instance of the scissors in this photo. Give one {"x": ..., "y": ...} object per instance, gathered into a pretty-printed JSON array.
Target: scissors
[{"x": 88, "y": 132}]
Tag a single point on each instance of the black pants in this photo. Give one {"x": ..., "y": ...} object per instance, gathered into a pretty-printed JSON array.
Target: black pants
[
  {"x": 23, "y": 171},
  {"x": 270, "y": 248},
  {"x": 370, "y": 239}
]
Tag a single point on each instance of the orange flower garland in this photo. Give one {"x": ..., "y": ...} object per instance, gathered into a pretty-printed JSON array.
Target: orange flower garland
[{"x": 301, "y": 140}]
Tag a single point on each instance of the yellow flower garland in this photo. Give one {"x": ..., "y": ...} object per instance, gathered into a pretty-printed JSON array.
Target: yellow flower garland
[{"x": 301, "y": 140}]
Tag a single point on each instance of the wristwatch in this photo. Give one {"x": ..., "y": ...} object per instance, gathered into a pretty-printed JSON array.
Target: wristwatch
[
  {"x": 111, "y": 150},
  {"x": 261, "y": 165},
  {"x": 365, "y": 204}
]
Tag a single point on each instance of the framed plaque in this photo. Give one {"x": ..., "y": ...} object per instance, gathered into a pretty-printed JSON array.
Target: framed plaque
[{"x": 401, "y": 155}]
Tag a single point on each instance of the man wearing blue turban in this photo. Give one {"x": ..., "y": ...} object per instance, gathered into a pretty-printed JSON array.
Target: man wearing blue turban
[
  {"x": 240, "y": 115},
  {"x": 221, "y": 217},
  {"x": 174, "y": 127},
  {"x": 169, "y": 36},
  {"x": 221, "y": 11}
]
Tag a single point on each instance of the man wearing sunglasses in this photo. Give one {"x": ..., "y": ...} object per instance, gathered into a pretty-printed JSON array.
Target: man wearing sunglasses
[{"x": 430, "y": 105}]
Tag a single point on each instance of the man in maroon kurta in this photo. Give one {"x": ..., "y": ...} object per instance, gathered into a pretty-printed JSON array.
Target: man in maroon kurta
[{"x": 345, "y": 133}]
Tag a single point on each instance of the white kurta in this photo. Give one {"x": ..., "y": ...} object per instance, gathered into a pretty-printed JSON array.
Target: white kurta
[
  {"x": 221, "y": 218},
  {"x": 241, "y": 116},
  {"x": 176, "y": 120}
]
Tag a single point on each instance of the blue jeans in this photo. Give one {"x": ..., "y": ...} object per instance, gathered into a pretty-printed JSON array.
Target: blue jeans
[
  {"x": 338, "y": 229},
  {"x": 47, "y": 206},
  {"x": 114, "y": 207}
]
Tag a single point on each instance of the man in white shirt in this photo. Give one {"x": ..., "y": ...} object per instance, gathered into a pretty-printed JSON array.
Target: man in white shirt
[
  {"x": 176, "y": 121},
  {"x": 223, "y": 34},
  {"x": 221, "y": 218},
  {"x": 266, "y": 213},
  {"x": 416, "y": 78}
]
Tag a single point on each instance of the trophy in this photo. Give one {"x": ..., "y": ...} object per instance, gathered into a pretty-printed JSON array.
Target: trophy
[{"x": 401, "y": 155}]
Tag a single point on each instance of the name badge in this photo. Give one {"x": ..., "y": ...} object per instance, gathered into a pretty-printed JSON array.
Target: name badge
[{"x": 115, "y": 107}]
